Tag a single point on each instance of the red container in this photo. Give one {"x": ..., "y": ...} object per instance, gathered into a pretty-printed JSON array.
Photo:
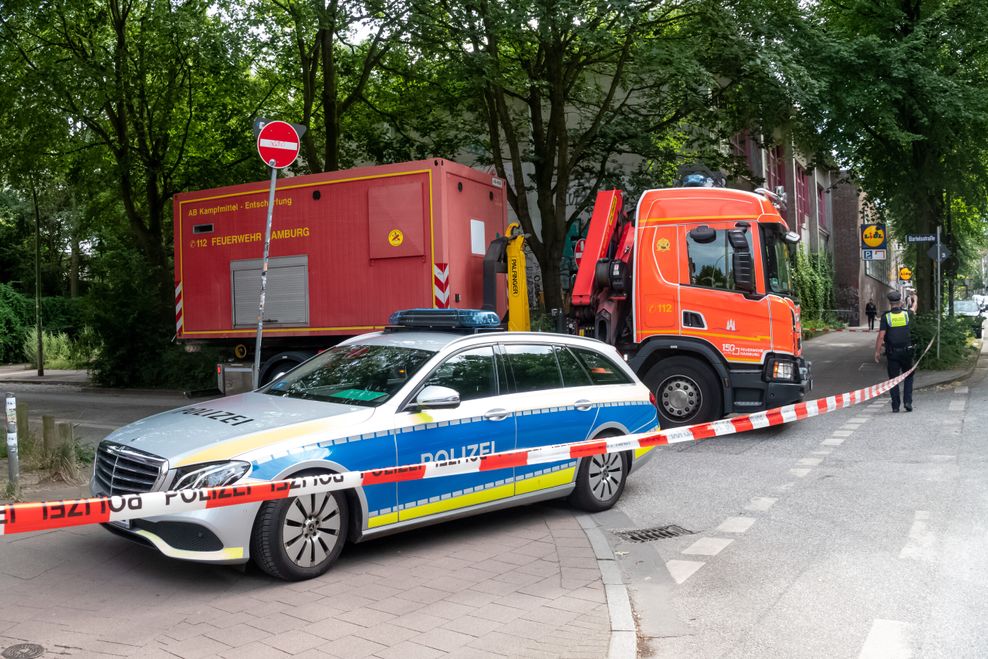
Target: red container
[{"x": 347, "y": 249}]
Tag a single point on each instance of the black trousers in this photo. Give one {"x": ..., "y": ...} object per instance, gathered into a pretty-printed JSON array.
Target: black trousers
[
  {"x": 899, "y": 362},
  {"x": 871, "y": 321}
]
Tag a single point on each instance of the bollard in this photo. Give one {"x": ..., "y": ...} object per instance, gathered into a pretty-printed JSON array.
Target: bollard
[
  {"x": 48, "y": 434},
  {"x": 13, "y": 466}
]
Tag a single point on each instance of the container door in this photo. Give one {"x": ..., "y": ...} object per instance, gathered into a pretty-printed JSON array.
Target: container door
[{"x": 483, "y": 423}]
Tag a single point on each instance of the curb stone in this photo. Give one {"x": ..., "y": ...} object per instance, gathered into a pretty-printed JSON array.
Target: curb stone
[{"x": 624, "y": 631}]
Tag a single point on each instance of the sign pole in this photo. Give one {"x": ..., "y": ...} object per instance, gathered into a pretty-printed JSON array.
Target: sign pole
[
  {"x": 938, "y": 292},
  {"x": 264, "y": 277},
  {"x": 13, "y": 465}
]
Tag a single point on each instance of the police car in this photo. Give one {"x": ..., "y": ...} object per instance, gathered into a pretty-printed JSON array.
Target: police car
[{"x": 432, "y": 387}]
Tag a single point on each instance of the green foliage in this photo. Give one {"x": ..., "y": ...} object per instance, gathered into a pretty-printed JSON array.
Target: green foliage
[
  {"x": 955, "y": 340},
  {"x": 15, "y": 314},
  {"x": 61, "y": 350},
  {"x": 813, "y": 277}
]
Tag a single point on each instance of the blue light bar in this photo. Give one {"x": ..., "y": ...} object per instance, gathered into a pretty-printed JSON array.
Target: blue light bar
[{"x": 467, "y": 319}]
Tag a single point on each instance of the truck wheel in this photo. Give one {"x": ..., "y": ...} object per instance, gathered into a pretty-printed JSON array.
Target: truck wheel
[
  {"x": 685, "y": 391},
  {"x": 600, "y": 481},
  {"x": 300, "y": 538},
  {"x": 280, "y": 364}
]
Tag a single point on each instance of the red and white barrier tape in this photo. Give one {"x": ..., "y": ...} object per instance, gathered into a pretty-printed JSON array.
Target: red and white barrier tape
[{"x": 40, "y": 516}]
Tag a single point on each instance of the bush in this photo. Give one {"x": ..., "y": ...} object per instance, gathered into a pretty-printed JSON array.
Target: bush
[
  {"x": 60, "y": 350},
  {"x": 955, "y": 344},
  {"x": 15, "y": 317},
  {"x": 813, "y": 279}
]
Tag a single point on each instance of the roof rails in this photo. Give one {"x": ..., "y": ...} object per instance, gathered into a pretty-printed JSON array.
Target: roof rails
[{"x": 459, "y": 320}]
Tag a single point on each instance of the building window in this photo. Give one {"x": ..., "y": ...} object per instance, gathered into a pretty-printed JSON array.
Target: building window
[
  {"x": 821, "y": 208},
  {"x": 802, "y": 196},
  {"x": 775, "y": 168},
  {"x": 741, "y": 148}
]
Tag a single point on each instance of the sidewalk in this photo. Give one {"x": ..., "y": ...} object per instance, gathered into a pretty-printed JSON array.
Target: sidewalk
[
  {"x": 522, "y": 583},
  {"x": 25, "y": 374}
]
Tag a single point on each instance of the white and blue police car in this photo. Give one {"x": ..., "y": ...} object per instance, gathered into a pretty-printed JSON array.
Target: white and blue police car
[{"x": 434, "y": 386}]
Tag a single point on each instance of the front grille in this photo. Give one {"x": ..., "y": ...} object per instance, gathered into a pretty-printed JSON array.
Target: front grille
[{"x": 123, "y": 470}]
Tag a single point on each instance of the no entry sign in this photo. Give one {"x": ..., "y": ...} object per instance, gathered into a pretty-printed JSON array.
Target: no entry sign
[
  {"x": 578, "y": 248},
  {"x": 278, "y": 144}
]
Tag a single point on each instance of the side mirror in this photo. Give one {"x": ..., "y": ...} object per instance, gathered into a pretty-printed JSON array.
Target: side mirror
[
  {"x": 743, "y": 264},
  {"x": 703, "y": 235},
  {"x": 435, "y": 397}
]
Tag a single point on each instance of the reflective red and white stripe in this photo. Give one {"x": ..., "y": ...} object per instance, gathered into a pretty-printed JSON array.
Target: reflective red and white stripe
[
  {"x": 440, "y": 285},
  {"x": 24, "y": 517},
  {"x": 179, "y": 312}
]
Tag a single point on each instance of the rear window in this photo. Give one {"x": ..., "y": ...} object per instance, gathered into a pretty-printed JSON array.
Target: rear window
[{"x": 601, "y": 369}]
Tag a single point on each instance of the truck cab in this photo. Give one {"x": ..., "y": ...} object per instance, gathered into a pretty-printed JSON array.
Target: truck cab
[{"x": 695, "y": 289}]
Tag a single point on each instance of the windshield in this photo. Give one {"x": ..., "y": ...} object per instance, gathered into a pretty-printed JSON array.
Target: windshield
[
  {"x": 366, "y": 375},
  {"x": 778, "y": 278},
  {"x": 966, "y": 306}
]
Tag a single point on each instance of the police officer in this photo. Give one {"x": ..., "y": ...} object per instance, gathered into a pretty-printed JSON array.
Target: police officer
[{"x": 896, "y": 332}]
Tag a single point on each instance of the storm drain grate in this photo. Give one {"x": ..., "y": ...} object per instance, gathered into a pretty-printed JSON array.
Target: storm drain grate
[
  {"x": 23, "y": 651},
  {"x": 654, "y": 533}
]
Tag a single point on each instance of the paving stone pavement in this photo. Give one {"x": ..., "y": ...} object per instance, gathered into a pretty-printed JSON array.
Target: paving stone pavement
[{"x": 518, "y": 583}]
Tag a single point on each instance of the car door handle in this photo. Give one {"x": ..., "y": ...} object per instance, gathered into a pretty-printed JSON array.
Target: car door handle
[
  {"x": 583, "y": 405},
  {"x": 497, "y": 415}
]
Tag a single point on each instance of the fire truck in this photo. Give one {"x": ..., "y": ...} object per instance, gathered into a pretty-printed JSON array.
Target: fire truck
[{"x": 695, "y": 290}]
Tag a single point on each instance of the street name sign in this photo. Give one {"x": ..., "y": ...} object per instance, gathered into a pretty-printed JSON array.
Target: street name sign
[
  {"x": 921, "y": 238},
  {"x": 278, "y": 144}
]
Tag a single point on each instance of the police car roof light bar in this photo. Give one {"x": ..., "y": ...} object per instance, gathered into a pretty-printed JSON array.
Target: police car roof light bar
[{"x": 445, "y": 319}]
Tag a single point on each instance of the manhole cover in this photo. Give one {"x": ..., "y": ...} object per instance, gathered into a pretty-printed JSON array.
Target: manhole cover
[
  {"x": 654, "y": 533},
  {"x": 23, "y": 651}
]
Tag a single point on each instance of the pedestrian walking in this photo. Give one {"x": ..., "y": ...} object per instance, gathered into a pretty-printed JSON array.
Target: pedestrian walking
[
  {"x": 895, "y": 332},
  {"x": 871, "y": 311}
]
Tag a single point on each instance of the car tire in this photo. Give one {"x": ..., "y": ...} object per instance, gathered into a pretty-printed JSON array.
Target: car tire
[
  {"x": 322, "y": 522},
  {"x": 600, "y": 481},
  {"x": 685, "y": 390},
  {"x": 281, "y": 364}
]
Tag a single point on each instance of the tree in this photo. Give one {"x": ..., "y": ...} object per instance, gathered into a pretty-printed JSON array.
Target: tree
[
  {"x": 902, "y": 98},
  {"x": 571, "y": 95}
]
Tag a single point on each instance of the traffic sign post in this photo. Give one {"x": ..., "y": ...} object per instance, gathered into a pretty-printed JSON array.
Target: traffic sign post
[
  {"x": 939, "y": 310},
  {"x": 578, "y": 248},
  {"x": 278, "y": 145}
]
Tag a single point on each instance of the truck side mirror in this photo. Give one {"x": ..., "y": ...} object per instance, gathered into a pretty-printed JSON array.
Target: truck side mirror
[
  {"x": 743, "y": 262},
  {"x": 703, "y": 235}
]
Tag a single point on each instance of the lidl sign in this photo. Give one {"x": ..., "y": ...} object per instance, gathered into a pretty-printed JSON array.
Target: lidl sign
[{"x": 873, "y": 236}]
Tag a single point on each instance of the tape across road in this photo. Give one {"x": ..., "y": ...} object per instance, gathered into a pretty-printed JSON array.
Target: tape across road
[{"x": 43, "y": 516}]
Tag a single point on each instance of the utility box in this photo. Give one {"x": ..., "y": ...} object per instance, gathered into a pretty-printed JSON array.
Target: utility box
[{"x": 347, "y": 249}]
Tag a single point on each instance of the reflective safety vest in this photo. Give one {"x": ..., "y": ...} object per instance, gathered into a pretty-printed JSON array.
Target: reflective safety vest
[{"x": 898, "y": 334}]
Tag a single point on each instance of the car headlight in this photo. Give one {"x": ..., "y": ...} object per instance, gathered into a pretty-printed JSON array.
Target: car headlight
[{"x": 212, "y": 474}]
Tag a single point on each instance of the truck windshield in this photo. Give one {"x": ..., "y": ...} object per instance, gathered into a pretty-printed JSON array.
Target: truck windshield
[
  {"x": 778, "y": 278},
  {"x": 366, "y": 375}
]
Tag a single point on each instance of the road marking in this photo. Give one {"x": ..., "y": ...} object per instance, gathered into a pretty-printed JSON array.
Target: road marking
[
  {"x": 810, "y": 462},
  {"x": 888, "y": 639},
  {"x": 785, "y": 487},
  {"x": 921, "y": 540},
  {"x": 823, "y": 451},
  {"x": 833, "y": 441},
  {"x": 799, "y": 473},
  {"x": 957, "y": 405},
  {"x": 708, "y": 546},
  {"x": 842, "y": 433},
  {"x": 858, "y": 419},
  {"x": 680, "y": 571},
  {"x": 760, "y": 504},
  {"x": 735, "y": 524},
  {"x": 851, "y": 426},
  {"x": 961, "y": 390}
]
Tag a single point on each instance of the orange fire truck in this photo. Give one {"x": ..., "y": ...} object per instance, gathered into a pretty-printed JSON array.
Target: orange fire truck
[{"x": 696, "y": 291}]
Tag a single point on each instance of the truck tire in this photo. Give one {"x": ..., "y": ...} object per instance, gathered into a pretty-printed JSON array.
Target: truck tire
[
  {"x": 686, "y": 391},
  {"x": 600, "y": 480},
  {"x": 301, "y": 537},
  {"x": 280, "y": 364}
]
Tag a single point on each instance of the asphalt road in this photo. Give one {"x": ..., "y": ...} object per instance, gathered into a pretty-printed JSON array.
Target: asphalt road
[{"x": 856, "y": 534}]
